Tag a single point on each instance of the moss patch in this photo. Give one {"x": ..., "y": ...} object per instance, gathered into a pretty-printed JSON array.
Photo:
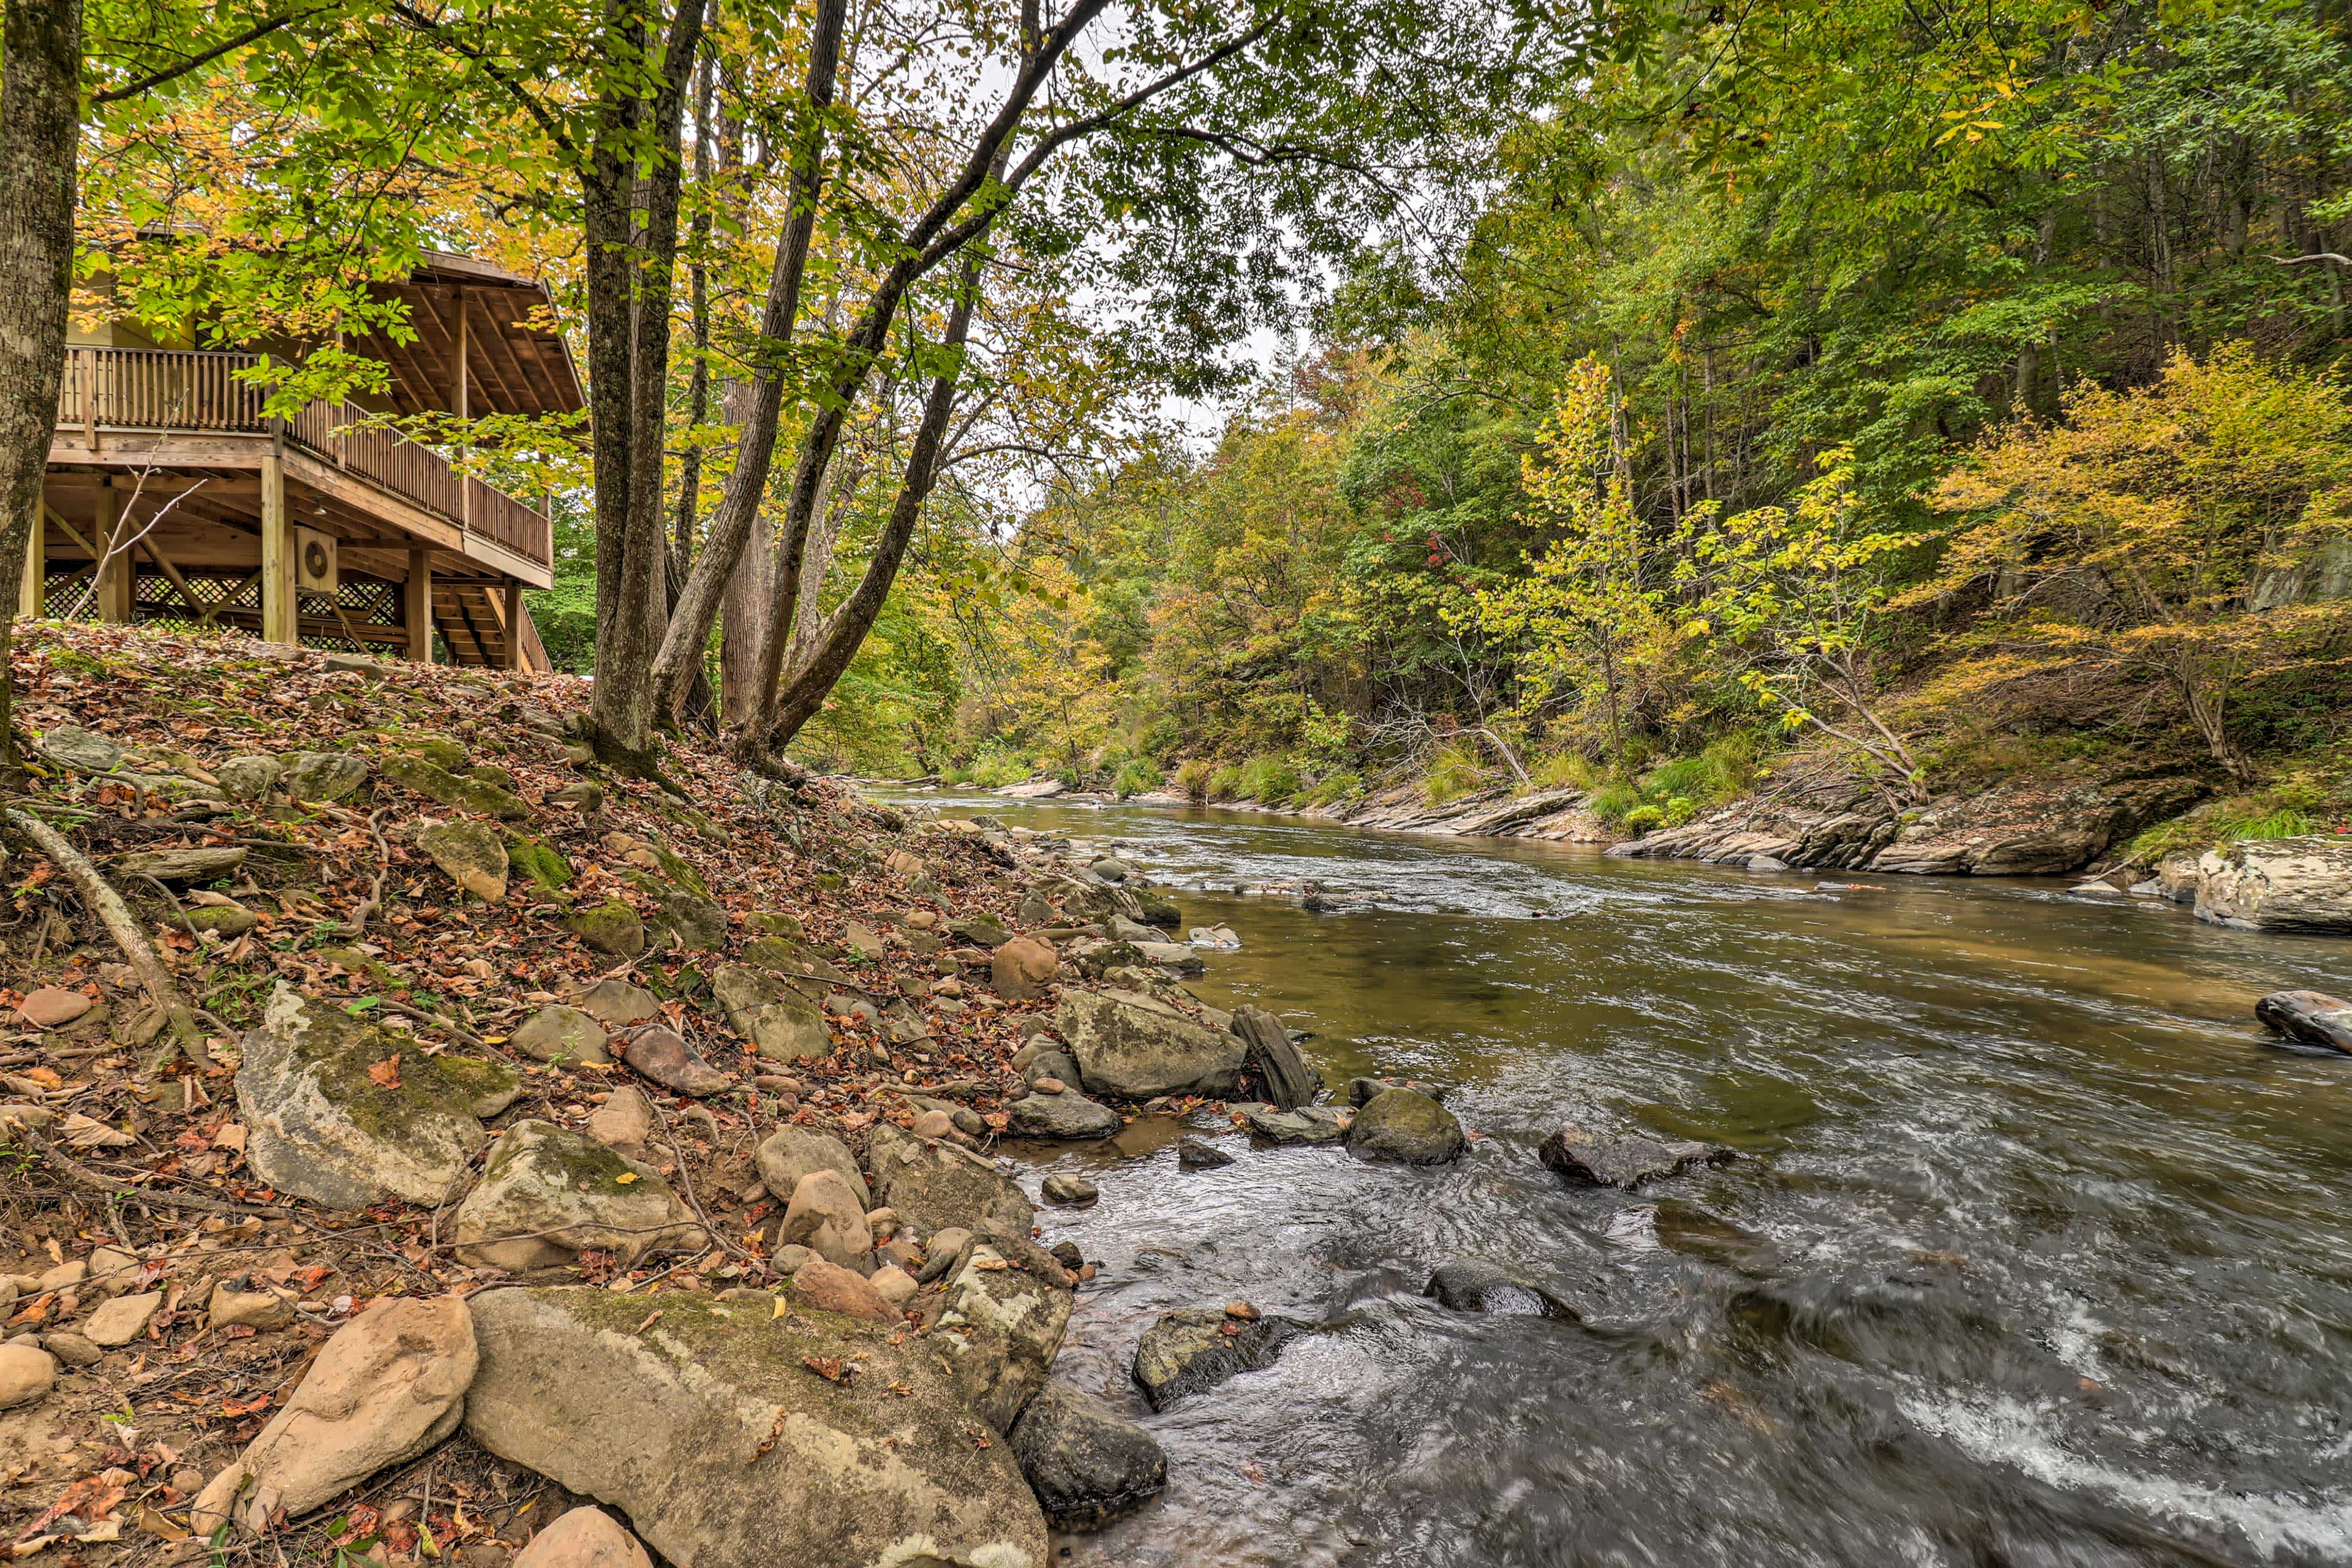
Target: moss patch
[{"x": 538, "y": 861}]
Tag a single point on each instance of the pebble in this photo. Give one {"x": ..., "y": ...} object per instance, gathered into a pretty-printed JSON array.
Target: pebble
[
  {"x": 1061, "y": 1187},
  {"x": 1049, "y": 1085},
  {"x": 1196, "y": 1154}
]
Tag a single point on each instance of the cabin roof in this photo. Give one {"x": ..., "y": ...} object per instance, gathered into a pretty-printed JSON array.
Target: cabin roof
[{"x": 514, "y": 364}]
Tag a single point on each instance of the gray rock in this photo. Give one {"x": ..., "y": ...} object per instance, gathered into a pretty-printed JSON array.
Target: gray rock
[
  {"x": 1111, "y": 868},
  {"x": 1047, "y": 1063},
  {"x": 1289, "y": 1081},
  {"x": 1198, "y": 1154},
  {"x": 782, "y": 1024},
  {"x": 2279, "y": 884},
  {"x": 469, "y": 854},
  {"x": 933, "y": 1184},
  {"x": 322, "y": 777},
  {"x": 659, "y": 1053},
  {"x": 322, "y": 1127},
  {"x": 1065, "y": 1115},
  {"x": 826, "y": 1215},
  {"x": 1175, "y": 955},
  {"x": 708, "y": 1427},
  {"x": 1766, "y": 863},
  {"x": 614, "y": 1003},
  {"x": 549, "y": 1195},
  {"x": 2308, "y": 1017},
  {"x": 1601, "y": 1160},
  {"x": 560, "y": 1034},
  {"x": 1063, "y": 1187},
  {"x": 1087, "y": 1464},
  {"x": 1361, "y": 1091},
  {"x": 982, "y": 931},
  {"x": 1398, "y": 1124},
  {"x": 1007, "y": 1309},
  {"x": 1136, "y": 1046},
  {"x": 84, "y": 750},
  {"x": 1191, "y": 1349},
  {"x": 791, "y": 1152},
  {"x": 1470, "y": 1285},
  {"x": 1307, "y": 1124}
]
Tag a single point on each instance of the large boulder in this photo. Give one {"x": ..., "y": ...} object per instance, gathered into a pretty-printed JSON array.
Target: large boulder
[
  {"x": 390, "y": 1384},
  {"x": 1398, "y": 1124},
  {"x": 1136, "y": 1046},
  {"x": 1006, "y": 1310},
  {"x": 716, "y": 1428},
  {"x": 1068, "y": 1114},
  {"x": 2308, "y": 1017},
  {"x": 1289, "y": 1081},
  {"x": 933, "y": 1186},
  {"x": 550, "y": 1194},
  {"x": 469, "y": 854},
  {"x": 346, "y": 1114},
  {"x": 1598, "y": 1160},
  {"x": 781, "y": 1025},
  {"x": 826, "y": 1216},
  {"x": 2278, "y": 884},
  {"x": 791, "y": 1152},
  {"x": 1195, "y": 1348},
  {"x": 1087, "y": 1463},
  {"x": 1024, "y": 968}
]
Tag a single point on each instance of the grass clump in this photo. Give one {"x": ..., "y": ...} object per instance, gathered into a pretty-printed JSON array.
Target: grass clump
[
  {"x": 1192, "y": 779},
  {"x": 1271, "y": 781},
  {"x": 1135, "y": 776},
  {"x": 1453, "y": 774}
]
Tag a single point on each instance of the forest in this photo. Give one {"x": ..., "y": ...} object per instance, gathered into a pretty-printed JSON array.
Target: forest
[{"x": 1283, "y": 405}]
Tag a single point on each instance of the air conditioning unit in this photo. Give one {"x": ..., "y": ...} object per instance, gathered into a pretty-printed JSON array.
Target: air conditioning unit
[{"x": 314, "y": 561}]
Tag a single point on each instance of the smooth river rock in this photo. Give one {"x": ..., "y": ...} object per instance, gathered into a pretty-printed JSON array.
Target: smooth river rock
[
  {"x": 933, "y": 1184},
  {"x": 714, "y": 1428},
  {"x": 1472, "y": 1285},
  {"x": 1195, "y": 1348},
  {"x": 583, "y": 1538},
  {"x": 1599, "y": 1160},
  {"x": 1087, "y": 1464},
  {"x": 1069, "y": 1115},
  {"x": 549, "y": 1195},
  {"x": 1398, "y": 1124},
  {"x": 2308, "y": 1017},
  {"x": 2279, "y": 884}
]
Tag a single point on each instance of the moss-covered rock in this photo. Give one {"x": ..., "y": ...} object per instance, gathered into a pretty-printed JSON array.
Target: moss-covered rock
[
  {"x": 683, "y": 917},
  {"x": 322, "y": 777},
  {"x": 441, "y": 751},
  {"x": 223, "y": 920},
  {"x": 611, "y": 927},
  {"x": 711, "y": 1423},
  {"x": 539, "y": 861},
  {"x": 492, "y": 774},
  {"x": 439, "y": 784},
  {"x": 782, "y": 1024},
  {"x": 1398, "y": 1124},
  {"x": 780, "y": 955},
  {"x": 776, "y": 923},
  {"x": 560, "y": 1034},
  {"x": 489, "y": 1086},
  {"x": 547, "y": 1194},
  {"x": 469, "y": 854},
  {"x": 334, "y": 1118}
]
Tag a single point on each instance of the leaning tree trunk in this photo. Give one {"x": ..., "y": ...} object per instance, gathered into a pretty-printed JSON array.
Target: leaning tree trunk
[{"x": 40, "y": 89}]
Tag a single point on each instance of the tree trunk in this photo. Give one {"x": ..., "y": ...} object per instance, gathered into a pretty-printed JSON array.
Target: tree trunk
[
  {"x": 632, "y": 276},
  {"x": 805, "y": 696},
  {"x": 40, "y": 93}
]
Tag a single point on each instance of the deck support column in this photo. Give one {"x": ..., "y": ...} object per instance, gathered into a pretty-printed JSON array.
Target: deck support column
[
  {"x": 281, "y": 612},
  {"x": 512, "y": 590},
  {"x": 31, "y": 594},
  {"x": 112, "y": 535},
  {"x": 417, "y": 605}
]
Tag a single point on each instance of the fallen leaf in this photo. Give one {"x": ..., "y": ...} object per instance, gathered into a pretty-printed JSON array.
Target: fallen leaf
[
  {"x": 385, "y": 1074},
  {"x": 88, "y": 1132},
  {"x": 624, "y": 1178}
]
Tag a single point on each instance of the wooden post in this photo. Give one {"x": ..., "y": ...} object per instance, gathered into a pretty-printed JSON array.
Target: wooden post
[
  {"x": 417, "y": 605},
  {"x": 114, "y": 581},
  {"x": 512, "y": 590},
  {"x": 465, "y": 412},
  {"x": 31, "y": 594},
  {"x": 281, "y": 619}
]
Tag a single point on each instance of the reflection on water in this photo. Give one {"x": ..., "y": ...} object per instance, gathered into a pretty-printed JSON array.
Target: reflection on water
[{"x": 2036, "y": 1252}]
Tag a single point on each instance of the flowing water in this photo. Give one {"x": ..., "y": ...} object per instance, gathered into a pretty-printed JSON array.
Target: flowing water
[{"x": 2035, "y": 1251}]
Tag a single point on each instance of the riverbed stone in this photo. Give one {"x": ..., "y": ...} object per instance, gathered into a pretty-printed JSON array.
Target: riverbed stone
[
  {"x": 1135, "y": 1047},
  {"x": 782, "y": 1024},
  {"x": 1474, "y": 1285},
  {"x": 1599, "y": 1160},
  {"x": 789, "y": 1152},
  {"x": 121, "y": 1319},
  {"x": 1007, "y": 1308},
  {"x": 659, "y": 1053},
  {"x": 1087, "y": 1464},
  {"x": 1307, "y": 1124},
  {"x": 934, "y": 1184},
  {"x": 1024, "y": 968},
  {"x": 27, "y": 1373},
  {"x": 824, "y": 1286},
  {"x": 1065, "y": 1115},
  {"x": 1398, "y": 1124},
  {"x": 328, "y": 1120},
  {"x": 1196, "y": 1348},
  {"x": 2308, "y": 1017},
  {"x": 388, "y": 1385},
  {"x": 1200, "y": 1154},
  {"x": 2279, "y": 884},
  {"x": 612, "y": 928},
  {"x": 736, "y": 1451},
  {"x": 560, "y": 1034},
  {"x": 549, "y": 1194},
  {"x": 1068, "y": 1187},
  {"x": 615, "y": 1003}
]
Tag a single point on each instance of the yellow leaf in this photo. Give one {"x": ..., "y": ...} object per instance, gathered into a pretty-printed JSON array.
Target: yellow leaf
[{"x": 624, "y": 1178}]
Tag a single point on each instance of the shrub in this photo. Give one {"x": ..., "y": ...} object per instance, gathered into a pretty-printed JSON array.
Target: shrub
[
  {"x": 1225, "y": 783},
  {"x": 1270, "y": 780},
  {"x": 1643, "y": 818},
  {"x": 1135, "y": 776},
  {"x": 1193, "y": 778},
  {"x": 2282, "y": 812},
  {"x": 994, "y": 766},
  {"x": 1564, "y": 770},
  {"x": 1452, "y": 772},
  {"x": 1334, "y": 787}
]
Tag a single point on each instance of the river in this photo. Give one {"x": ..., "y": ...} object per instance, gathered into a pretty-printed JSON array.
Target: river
[{"x": 2035, "y": 1251}]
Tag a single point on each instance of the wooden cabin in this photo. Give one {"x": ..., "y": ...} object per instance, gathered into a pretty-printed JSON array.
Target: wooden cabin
[{"x": 171, "y": 498}]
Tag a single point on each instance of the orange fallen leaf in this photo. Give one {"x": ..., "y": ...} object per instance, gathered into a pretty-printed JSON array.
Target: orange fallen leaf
[{"x": 385, "y": 1074}]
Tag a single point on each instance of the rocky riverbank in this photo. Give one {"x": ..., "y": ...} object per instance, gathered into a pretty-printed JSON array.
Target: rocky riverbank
[{"x": 448, "y": 1135}]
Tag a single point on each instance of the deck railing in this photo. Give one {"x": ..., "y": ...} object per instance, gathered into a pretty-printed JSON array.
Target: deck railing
[{"x": 172, "y": 390}]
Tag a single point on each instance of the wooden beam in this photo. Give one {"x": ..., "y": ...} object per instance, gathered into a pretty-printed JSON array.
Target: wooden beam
[
  {"x": 417, "y": 605},
  {"x": 514, "y": 616},
  {"x": 280, "y": 610},
  {"x": 32, "y": 590},
  {"x": 115, "y": 575}
]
